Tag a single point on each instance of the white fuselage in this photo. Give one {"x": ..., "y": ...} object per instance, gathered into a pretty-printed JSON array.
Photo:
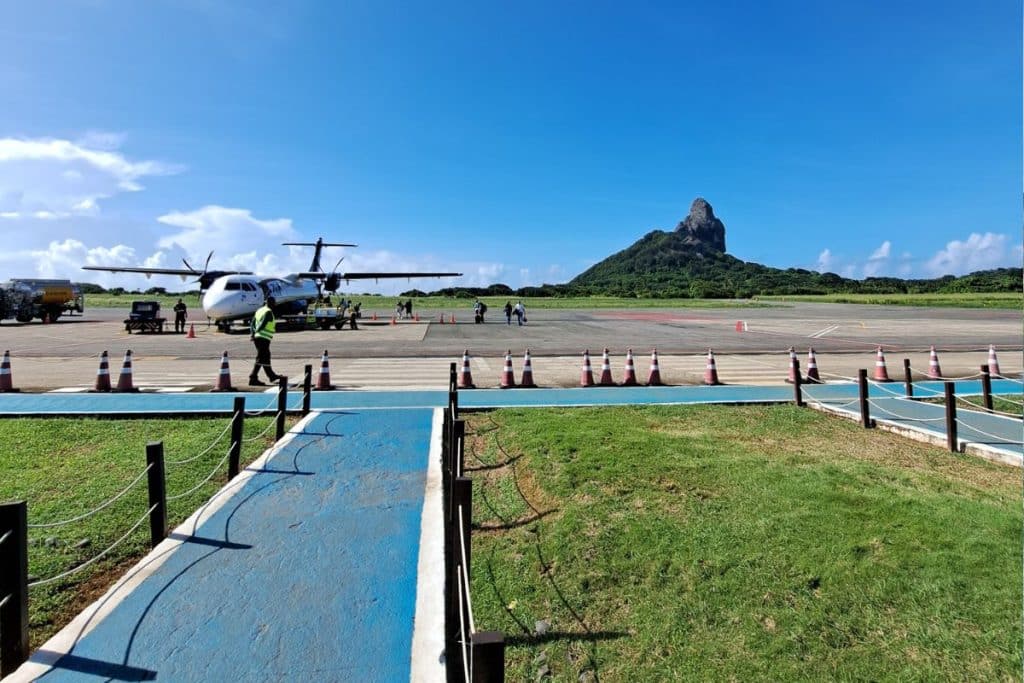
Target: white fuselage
[{"x": 237, "y": 297}]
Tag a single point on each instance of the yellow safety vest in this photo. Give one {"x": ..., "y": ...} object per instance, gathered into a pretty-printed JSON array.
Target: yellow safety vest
[{"x": 261, "y": 327}]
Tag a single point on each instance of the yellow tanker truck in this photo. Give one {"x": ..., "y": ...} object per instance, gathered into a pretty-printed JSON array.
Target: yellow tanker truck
[{"x": 24, "y": 299}]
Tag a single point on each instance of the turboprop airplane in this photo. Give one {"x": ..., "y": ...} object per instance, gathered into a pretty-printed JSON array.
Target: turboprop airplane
[{"x": 229, "y": 295}]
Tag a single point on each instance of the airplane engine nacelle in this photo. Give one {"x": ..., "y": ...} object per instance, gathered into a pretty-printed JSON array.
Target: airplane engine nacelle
[{"x": 332, "y": 282}]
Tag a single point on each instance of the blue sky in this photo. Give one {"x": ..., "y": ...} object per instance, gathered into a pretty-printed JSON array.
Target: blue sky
[{"x": 516, "y": 142}]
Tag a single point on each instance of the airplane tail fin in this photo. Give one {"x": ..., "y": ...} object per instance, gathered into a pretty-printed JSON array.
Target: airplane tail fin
[{"x": 314, "y": 267}]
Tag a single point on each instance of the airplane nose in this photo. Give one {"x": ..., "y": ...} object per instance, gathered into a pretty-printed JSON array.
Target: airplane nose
[{"x": 215, "y": 305}]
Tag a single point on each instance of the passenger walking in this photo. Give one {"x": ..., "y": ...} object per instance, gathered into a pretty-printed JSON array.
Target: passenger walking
[
  {"x": 508, "y": 312},
  {"x": 520, "y": 312},
  {"x": 408, "y": 309},
  {"x": 399, "y": 310},
  {"x": 180, "y": 313},
  {"x": 261, "y": 334}
]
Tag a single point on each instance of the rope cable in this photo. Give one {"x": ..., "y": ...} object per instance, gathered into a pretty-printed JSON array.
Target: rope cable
[
  {"x": 981, "y": 431},
  {"x": 264, "y": 432},
  {"x": 208, "y": 449},
  {"x": 82, "y": 566},
  {"x": 4, "y": 601},
  {"x": 875, "y": 405},
  {"x": 6, "y": 536},
  {"x": 110, "y": 502},
  {"x": 462, "y": 630},
  {"x": 208, "y": 478},
  {"x": 465, "y": 577}
]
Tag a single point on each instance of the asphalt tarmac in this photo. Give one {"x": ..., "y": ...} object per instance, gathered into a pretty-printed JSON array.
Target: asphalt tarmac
[{"x": 749, "y": 344}]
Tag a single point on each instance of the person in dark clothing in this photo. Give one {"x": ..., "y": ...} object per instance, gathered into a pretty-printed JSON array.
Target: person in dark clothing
[
  {"x": 408, "y": 308},
  {"x": 180, "y": 313},
  {"x": 508, "y": 312},
  {"x": 261, "y": 334}
]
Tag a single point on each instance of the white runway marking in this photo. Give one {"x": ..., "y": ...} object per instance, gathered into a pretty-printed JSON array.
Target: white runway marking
[{"x": 821, "y": 333}]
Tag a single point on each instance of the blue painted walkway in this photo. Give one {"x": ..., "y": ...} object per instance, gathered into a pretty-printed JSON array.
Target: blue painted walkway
[{"x": 307, "y": 573}]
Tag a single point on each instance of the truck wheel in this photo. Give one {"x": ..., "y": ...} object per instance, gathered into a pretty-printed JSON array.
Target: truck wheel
[
  {"x": 339, "y": 323},
  {"x": 324, "y": 324}
]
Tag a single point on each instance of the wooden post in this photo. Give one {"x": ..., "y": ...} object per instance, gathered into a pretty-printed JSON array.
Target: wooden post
[
  {"x": 157, "y": 492},
  {"x": 907, "y": 378},
  {"x": 13, "y": 586},
  {"x": 307, "y": 390},
  {"x": 488, "y": 657},
  {"x": 237, "y": 426},
  {"x": 452, "y": 378},
  {"x": 862, "y": 386},
  {"x": 459, "y": 448},
  {"x": 986, "y": 387},
  {"x": 282, "y": 405},
  {"x": 951, "y": 435},
  {"x": 798, "y": 394},
  {"x": 453, "y": 403}
]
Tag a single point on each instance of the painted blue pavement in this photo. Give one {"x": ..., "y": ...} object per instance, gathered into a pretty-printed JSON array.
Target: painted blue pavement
[
  {"x": 114, "y": 404},
  {"x": 308, "y": 572}
]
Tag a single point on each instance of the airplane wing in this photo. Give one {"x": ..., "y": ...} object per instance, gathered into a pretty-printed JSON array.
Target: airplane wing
[
  {"x": 375, "y": 276},
  {"x": 161, "y": 271}
]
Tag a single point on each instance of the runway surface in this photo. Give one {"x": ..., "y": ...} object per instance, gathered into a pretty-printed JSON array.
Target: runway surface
[{"x": 65, "y": 355}]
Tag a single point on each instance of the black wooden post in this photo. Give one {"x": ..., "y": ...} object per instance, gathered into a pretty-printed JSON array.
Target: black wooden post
[
  {"x": 452, "y": 382},
  {"x": 951, "y": 435},
  {"x": 459, "y": 448},
  {"x": 986, "y": 387},
  {"x": 157, "y": 492},
  {"x": 13, "y": 586},
  {"x": 488, "y": 657},
  {"x": 862, "y": 385},
  {"x": 907, "y": 379},
  {"x": 282, "y": 405},
  {"x": 237, "y": 426},
  {"x": 453, "y": 403},
  {"x": 798, "y": 394},
  {"x": 307, "y": 389}
]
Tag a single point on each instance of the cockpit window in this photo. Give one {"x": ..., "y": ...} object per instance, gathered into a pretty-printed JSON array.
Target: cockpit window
[
  {"x": 233, "y": 286},
  {"x": 248, "y": 286}
]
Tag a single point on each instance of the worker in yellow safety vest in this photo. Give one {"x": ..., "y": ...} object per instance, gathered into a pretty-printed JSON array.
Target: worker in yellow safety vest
[{"x": 261, "y": 333}]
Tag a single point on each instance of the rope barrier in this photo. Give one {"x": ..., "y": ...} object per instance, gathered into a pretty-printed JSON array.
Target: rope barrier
[
  {"x": 886, "y": 389},
  {"x": 208, "y": 449},
  {"x": 110, "y": 502},
  {"x": 981, "y": 431},
  {"x": 264, "y": 432},
  {"x": 462, "y": 632},
  {"x": 208, "y": 478},
  {"x": 272, "y": 404},
  {"x": 944, "y": 377},
  {"x": 462, "y": 552},
  {"x": 1008, "y": 379},
  {"x": 875, "y": 405},
  {"x": 5, "y": 537},
  {"x": 842, "y": 377},
  {"x": 4, "y": 601},
  {"x": 82, "y": 566}
]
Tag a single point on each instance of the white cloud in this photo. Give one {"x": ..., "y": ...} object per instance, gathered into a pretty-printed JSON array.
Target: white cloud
[
  {"x": 825, "y": 261},
  {"x": 978, "y": 252},
  {"x": 879, "y": 260},
  {"x": 240, "y": 240},
  {"x": 48, "y": 178}
]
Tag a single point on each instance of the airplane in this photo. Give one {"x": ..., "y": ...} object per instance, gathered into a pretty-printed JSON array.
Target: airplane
[{"x": 230, "y": 295}]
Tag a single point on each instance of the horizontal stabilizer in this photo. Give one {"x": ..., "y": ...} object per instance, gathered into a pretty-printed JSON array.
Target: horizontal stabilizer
[
  {"x": 316, "y": 244},
  {"x": 375, "y": 276}
]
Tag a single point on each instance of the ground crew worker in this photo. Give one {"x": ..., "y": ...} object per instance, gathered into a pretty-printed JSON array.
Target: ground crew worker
[
  {"x": 261, "y": 333},
  {"x": 180, "y": 313}
]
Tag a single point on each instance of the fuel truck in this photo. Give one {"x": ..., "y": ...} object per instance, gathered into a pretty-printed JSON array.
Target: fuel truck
[{"x": 24, "y": 299}]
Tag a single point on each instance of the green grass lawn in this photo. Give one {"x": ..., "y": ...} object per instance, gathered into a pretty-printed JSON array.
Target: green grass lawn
[
  {"x": 748, "y": 543},
  {"x": 968, "y": 300},
  {"x": 66, "y": 467}
]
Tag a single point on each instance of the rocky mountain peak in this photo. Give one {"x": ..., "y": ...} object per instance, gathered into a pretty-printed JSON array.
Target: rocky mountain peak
[{"x": 701, "y": 228}]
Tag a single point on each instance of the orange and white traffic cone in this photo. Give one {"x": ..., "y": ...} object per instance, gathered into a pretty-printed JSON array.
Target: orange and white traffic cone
[
  {"x": 587, "y": 373},
  {"x": 654, "y": 379},
  {"x": 452, "y": 321},
  {"x": 103, "y": 374},
  {"x": 191, "y": 331},
  {"x": 606, "y": 371},
  {"x": 794, "y": 373},
  {"x": 711, "y": 371},
  {"x": 934, "y": 371},
  {"x": 629, "y": 380},
  {"x": 812, "y": 368},
  {"x": 393, "y": 321},
  {"x": 465, "y": 376},
  {"x": 416, "y": 317},
  {"x": 881, "y": 374},
  {"x": 374, "y": 316},
  {"x": 6, "y": 380},
  {"x": 224, "y": 377},
  {"x": 124, "y": 382},
  {"x": 527, "y": 379},
  {"x": 440, "y": 319},
  {"x": 508, "y": 380},
  {"x": 323, "y": 380},
  {"x": 993, "y": 362}
]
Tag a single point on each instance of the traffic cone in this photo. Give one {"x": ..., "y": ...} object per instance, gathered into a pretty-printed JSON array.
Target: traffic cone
[
  {"x": 993, "y": 362},
  {"x": 654, "y": 380},
  {"x": 416, "y": 317},
  {"x": 630, "y": 378},
  {"x": 393, "y": 321},
  {"x": 374, "y": 317},
  {"x": 452, "y": 321},
  {"x": 465, "y": 376},
  {"x": 124, "y": 382},
  {"x": 711, "y": 371},
  {"x": 440, "y": 319},
  {"x": 103, "y": 374},
  {"x": 934, "y": 371},
  {"x": 191, "y": 331},
  {"x": 794, "y": 373},
  {"x": 527, "y": 380},
  {"x": 323, "y": 380},
  {"x": 812, "y": 368},
  {"x": 224, "y": 377},
  {"x": 881, "y": 374},
  {"x": 587, "y": 374},
  {"x": 606, "y": 371},
  {"x": 6, "y": 381},
  {"x": 508, "y": 380}
]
